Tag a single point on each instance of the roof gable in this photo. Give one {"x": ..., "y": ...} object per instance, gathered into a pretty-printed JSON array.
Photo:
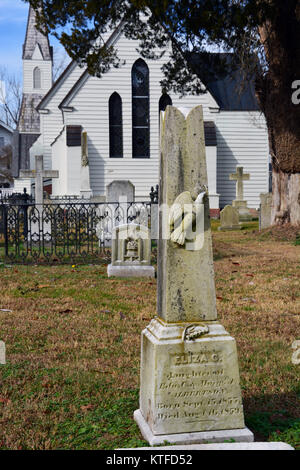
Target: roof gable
[
  {"x": 231, "y": 91},
  {"x": 113, "y": 39},
  {"x": 6, "y": 127},
  {"x": 37, "y": 54},
  {"x": 34, "y": 37}
]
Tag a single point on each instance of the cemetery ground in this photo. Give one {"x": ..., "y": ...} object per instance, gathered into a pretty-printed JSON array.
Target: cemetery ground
[{"x": 73, "y": 345}]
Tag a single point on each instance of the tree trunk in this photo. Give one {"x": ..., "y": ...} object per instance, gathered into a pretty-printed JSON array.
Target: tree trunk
[
  {"x": 281, "y": 38},
  {"x": 285, "y": 198}
]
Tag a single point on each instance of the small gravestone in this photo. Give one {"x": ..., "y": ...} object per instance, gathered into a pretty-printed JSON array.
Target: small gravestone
[
  {"x": 229, "y": 218},
  {"x": 120, "y": 189},
  {"x": 2, "y": 353},
  {"x": 131, "y": 252},
  {"x": 39, "y": 174},
  {"x": 239, "y": 203},
  {"x": 265, "y": 211},
  {"x": 189, "y": 382}
]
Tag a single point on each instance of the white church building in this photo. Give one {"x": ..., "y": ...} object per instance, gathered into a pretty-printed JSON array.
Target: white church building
[{"x": 98, "y": 130}]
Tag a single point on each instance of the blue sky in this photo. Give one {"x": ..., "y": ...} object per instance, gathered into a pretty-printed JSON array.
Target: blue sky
[{"x": 13, "y": 21}]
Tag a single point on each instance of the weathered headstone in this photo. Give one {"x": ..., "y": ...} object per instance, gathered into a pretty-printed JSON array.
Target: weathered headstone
[
  {"x": 229, "y": 218},
  {"x": 120, "y": 189},
  {"x": 131, "y": 252},
  {"x": 39, "y": 174},
  {"x": 119, "y": 195},
  {"x": 239, "y": 203},
  {"x": 189, "y": 369},
  {"x": 154, "y": 221},
  {"x": 2, "y": 353},
  {"x": 265, "y": 211}
]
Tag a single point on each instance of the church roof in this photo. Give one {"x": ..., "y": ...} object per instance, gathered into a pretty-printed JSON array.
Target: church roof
[
  {"x": 6, "y": 127},
  {"x": 34, "y": 37},
  {"x": 65, "y": 74},
  {"x": 231, "y": 90}
]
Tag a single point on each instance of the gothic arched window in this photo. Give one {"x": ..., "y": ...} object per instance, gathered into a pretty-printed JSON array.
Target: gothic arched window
[
  {"x": 164, "y": 101},
  {"x": 37, "y": 78},
  {"x": 140, "y": 110},
  {"x": 115, "y": 126}
]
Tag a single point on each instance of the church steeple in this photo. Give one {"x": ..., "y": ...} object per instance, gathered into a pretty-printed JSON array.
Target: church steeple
[
  {"x": 35, "y": 39},
  {"x": 37, "y": 81},
  {"x": 37, "y": 74}
]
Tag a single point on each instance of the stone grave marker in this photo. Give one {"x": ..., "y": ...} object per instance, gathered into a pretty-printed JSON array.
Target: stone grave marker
[
  {"x": 119, "y": 195},
  {"x": 39, "y": 174},
  {"x": 120, "y": 189},
  {"x": 131, "y": 252},
  {"x": 239, "y": 203},
  {"x": 265, "y": 210},
  {"x": 229, "y": 218},
  {"x": 39, "y": 223},
  {"x": 2, "y": 353},
  {"x": 189, "y": 380}
]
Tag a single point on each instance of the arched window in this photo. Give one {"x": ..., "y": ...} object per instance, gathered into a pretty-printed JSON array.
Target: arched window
[
  {"x": 140, "y": 110},
  {"x": 164, "y": 101},
  {"x": 115, "y": 126},
  {"x": 37, "y": 78}
]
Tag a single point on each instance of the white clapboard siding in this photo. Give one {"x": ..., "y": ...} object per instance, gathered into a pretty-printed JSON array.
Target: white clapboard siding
[
  {"x": 52, "y": 123},
  {"x": 45, "y": 67},
  {"x": 90, "y": 105},
  {"x": 242, "y": 141}
]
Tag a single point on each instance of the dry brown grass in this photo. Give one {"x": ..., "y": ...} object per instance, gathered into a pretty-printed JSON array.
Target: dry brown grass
[{"x": 73, "y": 346}]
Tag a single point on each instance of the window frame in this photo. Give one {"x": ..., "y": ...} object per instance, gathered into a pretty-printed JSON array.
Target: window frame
[{"x": 134, "y": 102}]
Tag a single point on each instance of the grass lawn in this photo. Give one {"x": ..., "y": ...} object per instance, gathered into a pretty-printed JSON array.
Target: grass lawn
[{"x": 73, "y": 346}]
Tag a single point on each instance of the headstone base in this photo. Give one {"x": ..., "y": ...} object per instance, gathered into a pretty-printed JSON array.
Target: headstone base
[
  {"x": 189, "y": 382},
  {"x": 232, "y": 227},
  {"x": 189, "y": 438},
  {"x": 222, "y": 446},
  {"x": 86, "y": 193},
  {"x": 130, "y": 271},
  {"x": 244, "y": 213}
]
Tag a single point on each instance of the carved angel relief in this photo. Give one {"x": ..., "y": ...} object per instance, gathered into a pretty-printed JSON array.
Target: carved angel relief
[{"x": 186, "y": 219}]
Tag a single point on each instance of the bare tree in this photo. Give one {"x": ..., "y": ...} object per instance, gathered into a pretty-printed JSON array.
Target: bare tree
[
  {"x": 5, "y": 164},
  {"x": 10, "y": 97},
  {"x": 11, "y": 88},
  {"x": 60, "y": 62}
]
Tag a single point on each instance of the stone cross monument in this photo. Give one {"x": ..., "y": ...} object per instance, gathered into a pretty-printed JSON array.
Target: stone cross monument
[
  {"x": 39, "y": 174},
  {"x": 239, "y": 176},
  {"x": 189, "y": 381}
]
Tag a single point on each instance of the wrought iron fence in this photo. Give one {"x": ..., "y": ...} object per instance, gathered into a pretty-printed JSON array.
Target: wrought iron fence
[{"x": 66, "y": 232}]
